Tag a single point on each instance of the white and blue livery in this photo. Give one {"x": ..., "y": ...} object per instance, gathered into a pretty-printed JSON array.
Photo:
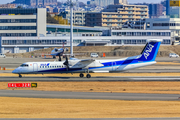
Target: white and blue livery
[{"x": 147, "y": 57}]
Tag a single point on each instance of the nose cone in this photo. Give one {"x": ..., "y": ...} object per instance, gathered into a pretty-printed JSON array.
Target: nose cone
[{"x": 15, "y": 71}]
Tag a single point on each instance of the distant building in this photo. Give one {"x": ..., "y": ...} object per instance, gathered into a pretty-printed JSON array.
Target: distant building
[
  {"x": 135, "y": 24},
  {"x": 8, "y": 6},
  {"x": 23, "y": 22},
  {"x": 155, "y": 10},
  {"x": 117, "y": 38},
  {"x": 116, "y": 2},
  {"x": 102, "y": 3},
  {"x": 117, "y": 15},
  {"x": 56, "y": 10},
  {"x": 172, "y": 24},
  {"x": 168, "y": 7},
  {"x": 78, "y": 17},
  {"x": 34, "y": 2},
  {"x": 175, "y": 12}
]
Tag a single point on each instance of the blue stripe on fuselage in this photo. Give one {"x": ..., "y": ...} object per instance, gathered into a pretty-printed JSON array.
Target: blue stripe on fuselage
[{"x": 106, "y": 65}]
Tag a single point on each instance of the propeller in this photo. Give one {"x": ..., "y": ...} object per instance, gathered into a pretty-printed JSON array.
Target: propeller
[
  {"x": 66, "y": 63},
  {"x": 59, "y": 57}
]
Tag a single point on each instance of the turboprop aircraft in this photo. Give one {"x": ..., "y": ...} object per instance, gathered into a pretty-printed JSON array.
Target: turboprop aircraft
[
  {"x": 147, "y": 57},
  {"x": 59, "y": 52}
]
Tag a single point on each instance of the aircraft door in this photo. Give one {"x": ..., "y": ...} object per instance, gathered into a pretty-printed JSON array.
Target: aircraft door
[
  {"x": 35, "y": 67},
  {"x": 113, "y": 66}
]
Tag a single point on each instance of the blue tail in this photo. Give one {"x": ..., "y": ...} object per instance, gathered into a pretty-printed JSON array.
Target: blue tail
[{"x": 150, "y": 51}]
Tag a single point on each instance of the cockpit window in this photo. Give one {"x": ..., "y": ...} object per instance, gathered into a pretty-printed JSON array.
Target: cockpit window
[{"x": 24, "y": 65}]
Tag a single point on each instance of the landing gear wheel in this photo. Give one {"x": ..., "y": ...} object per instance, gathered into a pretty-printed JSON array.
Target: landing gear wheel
[
  {"x": 81, "y": 75},
  {"x": 20, "y": 76},
  {"x": 88, "y": 76}
]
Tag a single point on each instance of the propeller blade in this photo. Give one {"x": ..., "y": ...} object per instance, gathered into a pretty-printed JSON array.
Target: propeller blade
[
  {"x": 66, "y": 63},
  {"x": 59, "y": 57}
]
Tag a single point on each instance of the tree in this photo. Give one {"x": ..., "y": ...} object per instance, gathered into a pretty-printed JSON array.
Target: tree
[
  {"x": 51, "y": 19},
  {"x": 61, "y": 20},
  {"x": 19, "y": 7}
]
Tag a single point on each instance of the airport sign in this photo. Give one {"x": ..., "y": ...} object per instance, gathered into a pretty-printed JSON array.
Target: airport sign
[
  {"x": 174, "y": 3},
  {"x": 19, "y": 85},
  {"x": 34, "y": 85}
]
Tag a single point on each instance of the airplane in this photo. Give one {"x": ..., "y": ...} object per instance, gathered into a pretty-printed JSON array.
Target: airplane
[
  {"x": 59, "y": 52},
  {"x": 147, "y": 57}
]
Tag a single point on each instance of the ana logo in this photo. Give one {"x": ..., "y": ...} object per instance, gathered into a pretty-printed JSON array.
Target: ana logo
[
  {"x": 45, "y": 64},
  {"x": 148, "y": 51}
]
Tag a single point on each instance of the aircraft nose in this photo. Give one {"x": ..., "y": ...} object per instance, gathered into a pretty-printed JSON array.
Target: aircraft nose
[{"x": 15, "y": 71}]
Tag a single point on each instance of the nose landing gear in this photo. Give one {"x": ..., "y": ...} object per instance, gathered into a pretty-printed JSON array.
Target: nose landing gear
[{"x": 20, "y": 76}]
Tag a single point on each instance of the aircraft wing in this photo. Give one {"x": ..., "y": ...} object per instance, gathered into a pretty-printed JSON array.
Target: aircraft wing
[{"x": 87, "y": 61}]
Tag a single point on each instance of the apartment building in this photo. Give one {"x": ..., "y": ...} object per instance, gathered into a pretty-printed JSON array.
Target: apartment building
[
  {"x": 78, "y": 17},
  {"x": 8, "y": 6},
  {"x": 36, "y": 2},
  {"x": 23, "y": 22},
  {"x": 120, "y": 2},
  {"x": 102, "y": 3},
  {"x": 117, "y": 15}
]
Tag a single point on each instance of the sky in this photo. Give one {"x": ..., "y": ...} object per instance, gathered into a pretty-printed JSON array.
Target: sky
[{"x": 130, "y": 1}]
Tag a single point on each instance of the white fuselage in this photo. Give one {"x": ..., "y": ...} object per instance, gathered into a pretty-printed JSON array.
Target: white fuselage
[{"x": 77, "y": 67}]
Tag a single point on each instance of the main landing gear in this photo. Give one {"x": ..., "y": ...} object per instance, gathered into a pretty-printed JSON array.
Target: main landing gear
[
  {"x": 20, "y": 76},
  {"x": 88, "y": 75},
  {"x": 82, "y": 75}
]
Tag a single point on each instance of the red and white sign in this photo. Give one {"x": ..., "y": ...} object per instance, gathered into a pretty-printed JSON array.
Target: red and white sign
[{"x": 19, "y": 85}]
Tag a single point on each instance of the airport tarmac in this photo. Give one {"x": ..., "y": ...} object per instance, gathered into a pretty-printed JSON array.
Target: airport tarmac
[
  {"x": 92, "y": 119},
  {"x": 88, "y": 95},
  {"x": 76, "y": 79}
]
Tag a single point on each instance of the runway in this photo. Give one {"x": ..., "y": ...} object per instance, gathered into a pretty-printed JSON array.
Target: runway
[
  {"x": 92, "y": 119},
  {"x": 88, "y": 95},
  {"x": 76, "y": 79}
]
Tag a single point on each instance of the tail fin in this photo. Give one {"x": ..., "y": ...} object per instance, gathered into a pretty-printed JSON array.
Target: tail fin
[{"x": 150, "y": 51}]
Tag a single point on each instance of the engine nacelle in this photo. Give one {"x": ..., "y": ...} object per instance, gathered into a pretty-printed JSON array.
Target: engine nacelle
[
  {"x": 66, "y": 49},
  {"x": 55, "y": 49}
]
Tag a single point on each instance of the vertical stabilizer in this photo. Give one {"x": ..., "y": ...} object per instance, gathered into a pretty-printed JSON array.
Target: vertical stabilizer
[{"x": 150, "y": 51}]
